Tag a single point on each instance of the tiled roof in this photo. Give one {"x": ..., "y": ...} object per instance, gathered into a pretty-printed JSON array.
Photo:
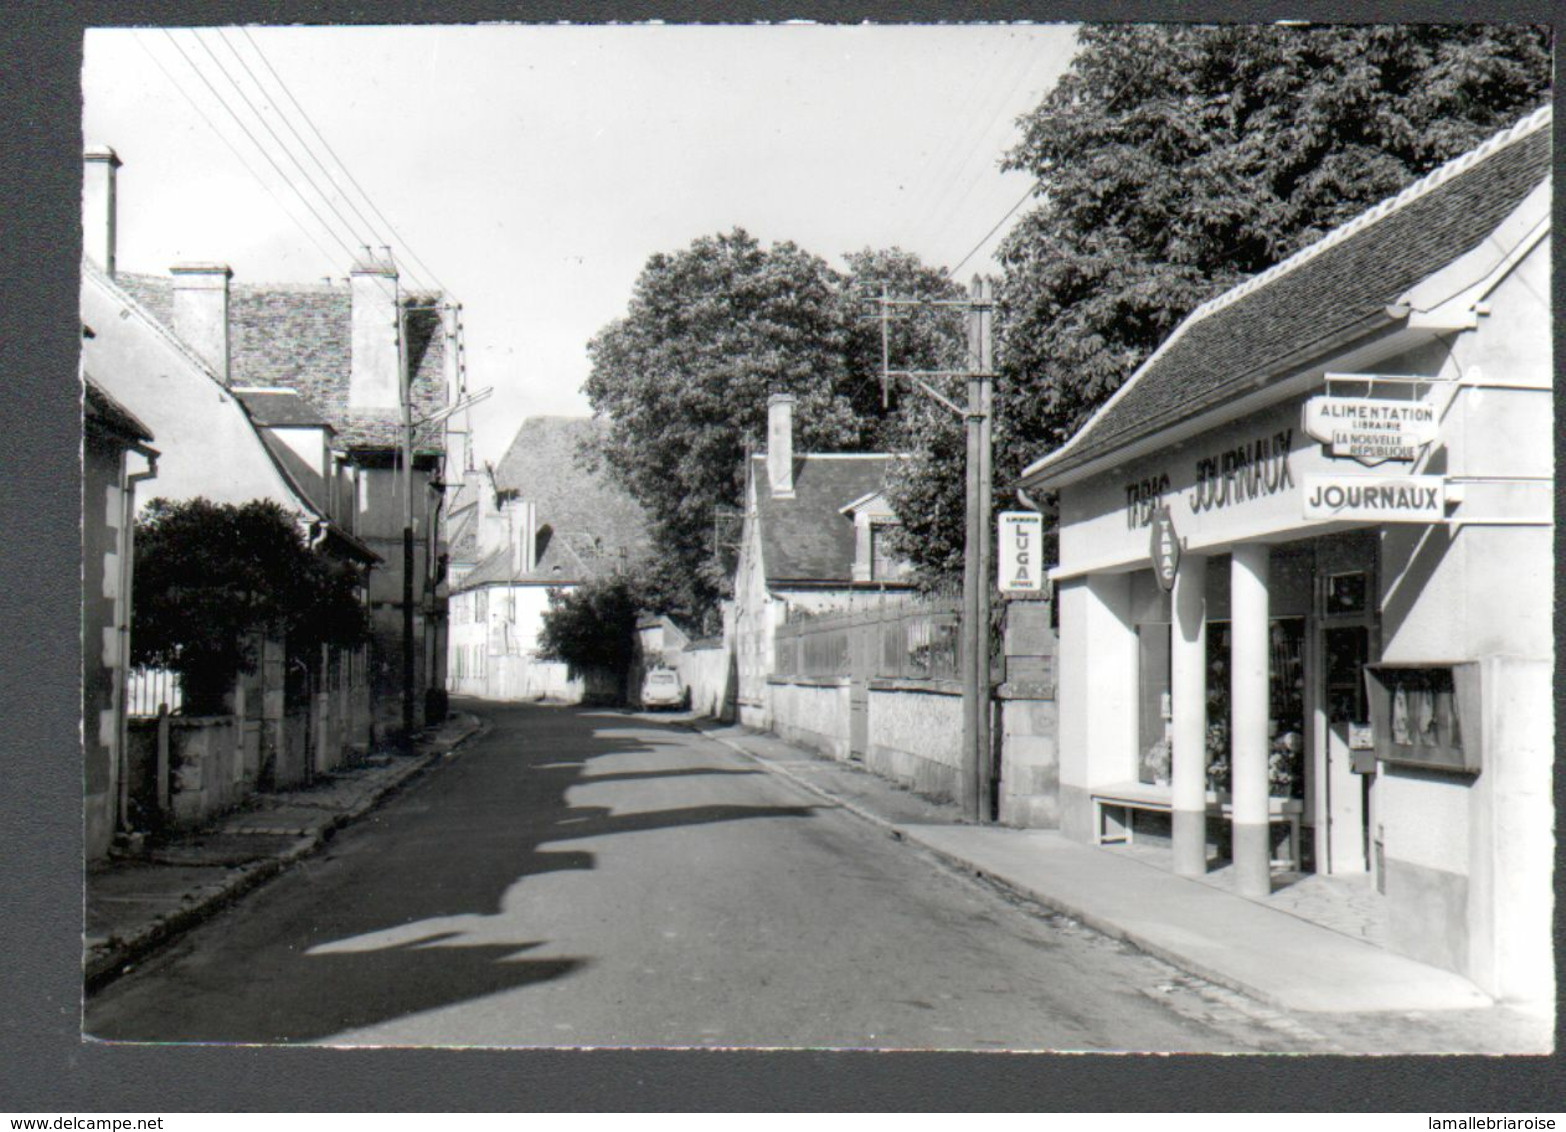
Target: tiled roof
[
  {"x": 300, "y": 336},
  {"x": 546, "y": 464},
  {"x": 1343, "y": 282},
  {"x": 280, "y": 408},
  {"x": 808, "y": 538},
  {"x": 593, "y": 525}
]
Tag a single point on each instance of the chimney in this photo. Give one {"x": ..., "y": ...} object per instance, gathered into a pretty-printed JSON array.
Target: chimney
[
  {"x": 780, "y": 444},
  {"x": 374, "y": 375},
  {"x": 98, "y": 205},
  {"x": 201, "y": 311},
  {"x": 524, "y": 543},
  {"x": 491, "y": 518}
]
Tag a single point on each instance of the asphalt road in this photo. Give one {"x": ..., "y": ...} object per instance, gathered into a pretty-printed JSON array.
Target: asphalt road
[{"x": 596, "y": 878}]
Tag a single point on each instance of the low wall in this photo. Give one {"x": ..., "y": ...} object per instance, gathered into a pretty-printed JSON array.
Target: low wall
[
  {"x": 209, "y": 770},
  {"x": 705, "y": 672},
  {"x": 811, "y": 711},
  {"x": 916, "y": 734}
]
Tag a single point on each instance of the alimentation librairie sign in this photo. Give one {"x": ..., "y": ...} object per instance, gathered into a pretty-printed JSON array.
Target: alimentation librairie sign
[{"x": 1371, "y": 430}]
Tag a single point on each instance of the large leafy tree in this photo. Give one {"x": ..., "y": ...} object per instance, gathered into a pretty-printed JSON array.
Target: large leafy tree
[
  {"x": 209, "y": 575},
  {"x": 684, "y": 377},
  {"x": 1174, "y": 161}
]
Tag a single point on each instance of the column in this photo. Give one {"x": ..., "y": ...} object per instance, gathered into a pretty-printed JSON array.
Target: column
[
  {"x": 1248, "y": 719},
  {"x": 1188, "y": 689}
]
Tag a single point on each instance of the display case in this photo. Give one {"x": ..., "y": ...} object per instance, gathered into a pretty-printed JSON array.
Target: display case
[{"x": 1427, "y": 715}]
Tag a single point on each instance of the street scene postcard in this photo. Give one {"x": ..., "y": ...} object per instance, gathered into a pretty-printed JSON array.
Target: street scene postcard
[{"x": 979, "y": 537}]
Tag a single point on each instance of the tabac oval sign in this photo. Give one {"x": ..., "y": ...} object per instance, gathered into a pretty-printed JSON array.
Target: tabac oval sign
[{"x": 1165, "y": 549}]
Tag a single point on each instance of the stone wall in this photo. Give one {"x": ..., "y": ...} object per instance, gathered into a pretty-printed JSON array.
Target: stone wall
[
  {"x": 916, "y": 734},
  {"x": 707, "y": 674},
  {"x": 811, "y": 711},
  {"x": 1030, "y": 766}
]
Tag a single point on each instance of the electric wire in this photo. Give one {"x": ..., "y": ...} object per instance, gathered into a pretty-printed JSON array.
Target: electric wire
[
  {"x": 390, "y": 227},
  {"x": 329, "y": 257},
  {"x": 277, "y": 108},
  {"x": 331, "y": 231},
  {"x": 281, "y": 144}
]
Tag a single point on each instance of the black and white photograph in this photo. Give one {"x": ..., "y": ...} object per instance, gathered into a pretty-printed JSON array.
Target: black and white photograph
[{"x": 985, "y": 537}]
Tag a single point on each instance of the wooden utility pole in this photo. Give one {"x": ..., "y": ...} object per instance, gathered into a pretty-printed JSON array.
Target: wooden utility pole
[
  {"x": 976, "y": 779},
  {"x": 404, "y": 383}
]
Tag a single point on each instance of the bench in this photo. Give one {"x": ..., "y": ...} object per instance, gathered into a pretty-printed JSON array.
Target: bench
[{"x": 1116, "y": 829}]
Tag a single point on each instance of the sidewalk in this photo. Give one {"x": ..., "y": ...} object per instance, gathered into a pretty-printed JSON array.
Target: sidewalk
[
  {"x": 135, "y": 904},
  {"x": 1267, "y": 954}
]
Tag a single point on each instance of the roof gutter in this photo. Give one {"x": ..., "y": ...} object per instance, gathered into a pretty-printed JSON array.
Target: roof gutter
[{"x": 1234, "y": 399}]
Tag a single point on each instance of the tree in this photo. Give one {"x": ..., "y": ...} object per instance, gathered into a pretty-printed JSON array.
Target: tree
[
  {"x": 683, "y": 380},
  {"x": 1174, "y": 161},
  {"x": 592, "y": 625},
  {"x": 209, "y": 575}
]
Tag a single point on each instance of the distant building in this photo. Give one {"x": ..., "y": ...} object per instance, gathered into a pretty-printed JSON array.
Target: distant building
[
  {"x": 813, "y": 541},
  {"x": 540, "y": 520}
]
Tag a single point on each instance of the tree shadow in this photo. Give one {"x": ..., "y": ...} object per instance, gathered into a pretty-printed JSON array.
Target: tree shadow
[{"x": 408, "y": 911}]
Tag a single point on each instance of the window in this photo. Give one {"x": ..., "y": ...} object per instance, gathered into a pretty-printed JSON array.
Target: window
[{"x": 884, "y": 565}]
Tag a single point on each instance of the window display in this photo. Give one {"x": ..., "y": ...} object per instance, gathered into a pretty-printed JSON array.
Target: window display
[{"x": 1285, "y": 704}]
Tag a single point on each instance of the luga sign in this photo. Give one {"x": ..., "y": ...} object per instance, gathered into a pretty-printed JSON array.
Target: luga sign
[
  {"x": 1376, "y": 499},
  {"x": 1165, "y": 549},
  {"x": 1021, "y": 559},
  {"x": 1369, "y": 430}
]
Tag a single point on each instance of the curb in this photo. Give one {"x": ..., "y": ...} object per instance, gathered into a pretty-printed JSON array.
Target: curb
[
  {"x": 804, "y": 784},
  {"x": 1045, "y": 901},
  {"x": 102, "y": 968}
]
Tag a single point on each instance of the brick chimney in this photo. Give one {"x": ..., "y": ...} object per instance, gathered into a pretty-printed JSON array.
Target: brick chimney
[
  {"x": 374, "y": 373},
  {"x": 780, "y": 444},
  {"x": 201, "y": 311},
  {"x": 99, "y": 163}
]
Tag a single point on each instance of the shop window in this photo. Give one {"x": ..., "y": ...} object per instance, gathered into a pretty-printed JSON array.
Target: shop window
[
  {"x": 1285, "y": 706},
  {"x": 1154, "y": 704}
]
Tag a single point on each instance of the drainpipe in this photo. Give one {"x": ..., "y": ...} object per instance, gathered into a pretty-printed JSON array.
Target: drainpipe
[{"x": 127, "y": 578}]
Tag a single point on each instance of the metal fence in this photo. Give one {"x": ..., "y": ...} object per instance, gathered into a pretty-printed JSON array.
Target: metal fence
[
  {"x": 914, "y": 640},
  {"x": 148, "y": 688}
]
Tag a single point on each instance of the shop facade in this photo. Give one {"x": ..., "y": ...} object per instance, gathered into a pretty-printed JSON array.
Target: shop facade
[{"x": 1306, "y": 575}]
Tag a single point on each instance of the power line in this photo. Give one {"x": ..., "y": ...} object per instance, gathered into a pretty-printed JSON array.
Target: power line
[
  {"x": 281, "y": 144},
  {"x": 1009, "y": 213},
  {"x": 177, "y": 85},
  {"x": 253, "y": 141},
  {"x": 303, "y": 144},
  {"x": 390, "y": 227}
]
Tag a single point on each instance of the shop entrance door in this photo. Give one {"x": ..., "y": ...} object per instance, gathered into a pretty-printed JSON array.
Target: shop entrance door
[{"x": 1346, "y": 641}]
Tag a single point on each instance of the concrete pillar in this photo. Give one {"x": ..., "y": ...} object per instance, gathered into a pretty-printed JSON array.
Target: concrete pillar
[
  {"x": 1188, "y": 689},
  {"x": 1248, "y": 718}
]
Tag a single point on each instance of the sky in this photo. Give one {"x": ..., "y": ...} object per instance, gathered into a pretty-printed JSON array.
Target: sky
[{"x": 530, "y": 171}]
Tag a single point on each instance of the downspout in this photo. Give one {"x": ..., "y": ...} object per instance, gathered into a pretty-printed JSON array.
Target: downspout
[{"x": 127, "y": 579}]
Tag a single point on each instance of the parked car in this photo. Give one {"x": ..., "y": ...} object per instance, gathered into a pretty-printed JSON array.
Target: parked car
[{"x": 661, "y": 687}]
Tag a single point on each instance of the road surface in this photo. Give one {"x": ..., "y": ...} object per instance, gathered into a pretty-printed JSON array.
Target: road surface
[{"x": 582, "y": 877}]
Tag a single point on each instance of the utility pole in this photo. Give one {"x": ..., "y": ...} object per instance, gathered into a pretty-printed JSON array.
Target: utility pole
[
  {"x": 404, "y": 382},
  {"x": 976, "y": 780}
]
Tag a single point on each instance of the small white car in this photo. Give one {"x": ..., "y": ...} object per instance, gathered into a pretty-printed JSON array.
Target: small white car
[{"x": 661, "y": 687}]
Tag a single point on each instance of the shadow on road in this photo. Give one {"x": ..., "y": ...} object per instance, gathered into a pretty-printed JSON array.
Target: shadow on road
[{"x": 408, "y": 912}]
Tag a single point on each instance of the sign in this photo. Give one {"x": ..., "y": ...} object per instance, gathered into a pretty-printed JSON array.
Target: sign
[
  {"x": 1021, "y": 557},
  {"x": 1165, "y": 549},
  {"x": 1376, "y": 499},
  {"x": 1371, "y": 430}
]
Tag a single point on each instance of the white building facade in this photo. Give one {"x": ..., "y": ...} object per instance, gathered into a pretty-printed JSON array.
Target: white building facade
[{"x": 1306, "y": 574}]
